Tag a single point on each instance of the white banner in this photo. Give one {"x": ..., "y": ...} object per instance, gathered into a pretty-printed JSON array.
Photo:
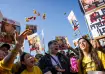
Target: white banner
[
  {"x": 96, "y": 22},
  {"x": 34, "y": 41},
  {"x": 73, "y": 21}
]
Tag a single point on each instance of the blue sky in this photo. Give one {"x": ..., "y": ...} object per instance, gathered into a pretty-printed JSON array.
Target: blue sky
[{"x": 56, "y": 23}]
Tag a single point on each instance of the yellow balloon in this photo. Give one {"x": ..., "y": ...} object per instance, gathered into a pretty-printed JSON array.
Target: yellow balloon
[
  {"x": 35, "y": 12},
  {"x": 44, "y": 14},
  {"x": 27, "y": 20}
]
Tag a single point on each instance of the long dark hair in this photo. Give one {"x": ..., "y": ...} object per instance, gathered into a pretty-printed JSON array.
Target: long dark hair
[
  {"x": 22, "y": 67},
  {"x": 98, "y": 46},
  {"x": 93, "y": 54},
  {"x": 3, "y": 26}
]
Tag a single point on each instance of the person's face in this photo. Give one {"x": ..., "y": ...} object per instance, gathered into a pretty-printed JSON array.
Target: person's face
[
  {"x": 2, "y": 55},
  {"x": 83, "y": 44},
  {"x": 9, "y": 28},
  {"x": 5, "y": 50},
  {"x": 60, "y": 41},
  {"x": 54, "y": 47},
  {"x": 94, "y": 43},
  {"x": 29, "y": 60}
]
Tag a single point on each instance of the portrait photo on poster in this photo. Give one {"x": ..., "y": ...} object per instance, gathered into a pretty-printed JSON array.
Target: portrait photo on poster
[
  {"x": 31, "y": 27},
  {"x": 89, "y": 5},
  {"x": 8, "y": 29}
]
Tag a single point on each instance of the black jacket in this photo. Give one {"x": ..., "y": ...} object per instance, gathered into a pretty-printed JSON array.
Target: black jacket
[{"x": 45, "y": 64}]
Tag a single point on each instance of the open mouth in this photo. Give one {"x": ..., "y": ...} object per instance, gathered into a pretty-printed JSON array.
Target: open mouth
[
  {"x": 56, "y": 48},
  {"x": 1, "y": 57},
  {"x": 32, "y": 62},
  {"x": 83, "y": 46}
]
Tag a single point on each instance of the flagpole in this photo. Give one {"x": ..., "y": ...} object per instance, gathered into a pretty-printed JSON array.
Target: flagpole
[
  {"x": 43, "y": 42},
  {"x": 44, "y": 45}
]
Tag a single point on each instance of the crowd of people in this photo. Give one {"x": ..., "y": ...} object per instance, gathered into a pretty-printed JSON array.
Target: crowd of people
[{"x": 90, "y": 56}]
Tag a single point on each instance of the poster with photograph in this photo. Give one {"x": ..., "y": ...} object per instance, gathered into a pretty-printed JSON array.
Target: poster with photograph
[
  {"x": 8, "y": 29},
  {"x": 73, "y": 21},
  {"x": 62, "y": 41},
  {"x": 89, "y": 5},
  {"x": 34, "y": 42},
  {"x": 96, "y": 22},
  {"x": 32, "y": 27}
]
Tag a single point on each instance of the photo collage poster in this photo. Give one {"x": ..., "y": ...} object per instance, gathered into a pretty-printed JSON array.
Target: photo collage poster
[
  {"x": 62, "y": 41},
  {"x": 34, "y": 42},
  {"x": 31, "y": 27}
]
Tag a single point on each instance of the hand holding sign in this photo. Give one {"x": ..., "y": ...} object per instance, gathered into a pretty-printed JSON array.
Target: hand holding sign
[{"x": 21, "y": 37}]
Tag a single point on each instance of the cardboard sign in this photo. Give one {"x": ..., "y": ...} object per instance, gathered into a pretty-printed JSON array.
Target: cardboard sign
[{"x": 96, "y": 22}]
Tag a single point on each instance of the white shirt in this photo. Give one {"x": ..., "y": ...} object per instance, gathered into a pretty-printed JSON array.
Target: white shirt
[{"x": 54, "y": 63}]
